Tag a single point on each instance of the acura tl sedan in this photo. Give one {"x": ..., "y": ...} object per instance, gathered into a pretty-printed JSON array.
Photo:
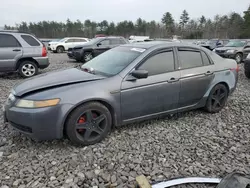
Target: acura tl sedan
[{"x": 129, "y": 83}]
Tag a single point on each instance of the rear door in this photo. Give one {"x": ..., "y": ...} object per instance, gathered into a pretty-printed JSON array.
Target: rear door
[
  {"x": 10, "y": 52},
  {"x": 197, "y": 73}
]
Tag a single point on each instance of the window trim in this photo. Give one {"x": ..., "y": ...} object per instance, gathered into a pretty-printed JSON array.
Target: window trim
[
  {"x": 158, "y": 51},
  {"x": 20, "y": 46},
  {"x": 190, "y": 49}
]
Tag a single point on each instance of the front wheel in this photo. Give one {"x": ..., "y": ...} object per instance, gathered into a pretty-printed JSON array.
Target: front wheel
[
  {"x": 59, "y": 49},
  {"x": 217, "y": 98},
  {"x": 28, "y": 69},
  {"x": 87, "y": 56},
  {"x": 247, "y": 74},
  {"x": 88, "y": 124},
  {"x": 238, "y": 58}
]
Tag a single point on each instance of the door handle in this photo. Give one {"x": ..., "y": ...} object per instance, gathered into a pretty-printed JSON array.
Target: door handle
[
  {"x": 173, "y": 80},
  {"x": 208, "y": 73},
  {"x": 16, "y": 50}
]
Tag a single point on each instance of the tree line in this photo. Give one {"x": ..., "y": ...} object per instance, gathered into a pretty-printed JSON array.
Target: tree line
[{"x": 230, "y": 26}]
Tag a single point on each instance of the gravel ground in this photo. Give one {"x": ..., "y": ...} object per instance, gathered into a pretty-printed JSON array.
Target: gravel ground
[{"x": 188, "y": 144}]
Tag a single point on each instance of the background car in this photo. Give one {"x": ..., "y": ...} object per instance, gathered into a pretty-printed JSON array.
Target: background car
[
  {"x": 214, "y": 43},
  {"x": 246, "y": 52},
  {"x": 95, "y": 47},
  {"x": 66, "y": 43},
  {"x": 233, "y": 49},
  {"x": 247, "y": 66},
  {"x": 22, "y": 52},
  {"x": 129, "y": 83}
]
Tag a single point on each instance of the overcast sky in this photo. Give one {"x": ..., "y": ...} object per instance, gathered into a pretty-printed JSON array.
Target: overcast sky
[{"x": 15, "y": 11}]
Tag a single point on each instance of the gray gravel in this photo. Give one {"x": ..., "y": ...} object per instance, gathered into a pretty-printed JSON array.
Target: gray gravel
[{"x": 188, "y": 144}]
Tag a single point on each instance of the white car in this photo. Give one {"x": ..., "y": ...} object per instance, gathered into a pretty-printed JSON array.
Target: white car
[{"x": 66, "y": 43}]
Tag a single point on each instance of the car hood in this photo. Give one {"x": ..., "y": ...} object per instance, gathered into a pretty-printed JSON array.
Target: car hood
[
  {"x": 229, "y": 48},
  {"x": 53, "y": 43},
  {"x": 53, "y": 79}
]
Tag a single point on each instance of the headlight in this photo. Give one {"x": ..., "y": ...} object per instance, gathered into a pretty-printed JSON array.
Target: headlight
[
  {"x": 230, "y": 51},
  {"x": 37, "y": 104}
]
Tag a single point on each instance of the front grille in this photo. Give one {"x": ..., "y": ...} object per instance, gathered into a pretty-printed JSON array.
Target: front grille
[
  {"x": 21, "y": 127},
  {"x": 220, "y": 51}
]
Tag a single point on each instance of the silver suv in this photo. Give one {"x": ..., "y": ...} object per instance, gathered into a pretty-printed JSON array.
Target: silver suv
[{"x": 22, "y": 52}]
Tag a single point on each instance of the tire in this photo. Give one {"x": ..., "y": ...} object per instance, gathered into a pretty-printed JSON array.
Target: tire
[
  {"x": 247, "y": 74},
  {"x": 214, "y": 104},
  {"x": 87, "y": 56},
  {"x": 87, "y": 116},
  {"x": 60, "y": 49},
  {"x": 238, "y": 58},
  {"x": 28, "y": 69}
]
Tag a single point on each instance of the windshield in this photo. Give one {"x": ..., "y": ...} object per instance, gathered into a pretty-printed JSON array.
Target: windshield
[
  {"x": 93, "y": 41},
  {"x": 62, "y": 40},
  {"x": 113, "y": 61},
  {"x": 236, "y": 44}
]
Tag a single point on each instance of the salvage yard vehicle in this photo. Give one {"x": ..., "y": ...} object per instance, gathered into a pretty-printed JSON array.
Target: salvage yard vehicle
[
  {"x": 66, "y": 43},
  {"x": 126, "y": 84},
  {"x": 215, "y": 43},
  {"x": 247, "y": 66},
  {"x": 22, "y": 52},
  {"x": 234, "y": 50},
  {"x": 94, "y": 48}
]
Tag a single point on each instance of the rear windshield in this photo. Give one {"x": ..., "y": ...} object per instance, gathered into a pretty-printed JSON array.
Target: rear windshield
[{"x": 30, "y": 40}]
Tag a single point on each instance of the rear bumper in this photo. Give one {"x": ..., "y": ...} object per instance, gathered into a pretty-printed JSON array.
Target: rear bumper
[{"x": 43, "y": 62}]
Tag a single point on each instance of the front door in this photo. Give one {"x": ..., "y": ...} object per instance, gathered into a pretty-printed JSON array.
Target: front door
[
  {"x": 159, "y": 93},
  {"x": 102, "y": 46},
  {"x": 10, "y": 52},
  {"x": 197, "y": 73}
]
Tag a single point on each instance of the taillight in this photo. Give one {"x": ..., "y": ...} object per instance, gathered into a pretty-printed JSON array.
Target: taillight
[
  {"x": 44, "y": 52},
  {"x": 237, "y": 69}
]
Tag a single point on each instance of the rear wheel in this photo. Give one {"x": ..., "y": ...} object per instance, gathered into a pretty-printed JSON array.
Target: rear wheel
[
  {"x": 217, "y": 98},
  {"x": 88, "y": 124},
  {"x": 60, "y": 49},
  {"x": 238, "y": 58},
  {"x": 27, "y": 69}
]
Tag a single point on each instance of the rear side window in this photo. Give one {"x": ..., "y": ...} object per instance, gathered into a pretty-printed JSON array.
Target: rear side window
[
  {"x": 30, "y": 40},
  {"x": 206, "y": 61},
  {"x": 122, "y": 41},
  {"x": 8, "y": 41},
  {"x": 190, "y": 59},
  {"x": 115, "y": 41},
  {"x": 158, "y": 64}
]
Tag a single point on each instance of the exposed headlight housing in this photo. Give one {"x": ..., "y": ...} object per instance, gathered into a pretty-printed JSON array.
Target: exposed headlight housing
[
  {"x": 22, "y": 103},
  {"x": 230, "y": 51}
]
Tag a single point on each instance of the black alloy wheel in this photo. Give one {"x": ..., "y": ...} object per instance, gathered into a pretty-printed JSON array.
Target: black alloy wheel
[
  {"x": 89, "y": 124},
  {"x": 217, "y": 98}
]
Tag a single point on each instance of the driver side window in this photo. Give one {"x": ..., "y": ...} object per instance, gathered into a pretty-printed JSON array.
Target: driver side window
[
  {"x": 160, "y": 63},
  {"x": 105, "y": 42}
]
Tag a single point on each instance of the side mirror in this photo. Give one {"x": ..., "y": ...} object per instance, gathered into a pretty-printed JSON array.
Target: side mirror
[
  {"x": 66, "y": 41},
  {"x": 139, "y": 74},
  {"x": 99, "y": 44}
]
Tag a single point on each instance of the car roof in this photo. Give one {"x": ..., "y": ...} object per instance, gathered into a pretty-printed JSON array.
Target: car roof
[
  {"x": 160, "y": 44},
  {"x": 109, "y": 37}
]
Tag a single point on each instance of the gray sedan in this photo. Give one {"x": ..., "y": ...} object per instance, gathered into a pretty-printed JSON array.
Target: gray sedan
[{"x": 128, "y": 83}]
